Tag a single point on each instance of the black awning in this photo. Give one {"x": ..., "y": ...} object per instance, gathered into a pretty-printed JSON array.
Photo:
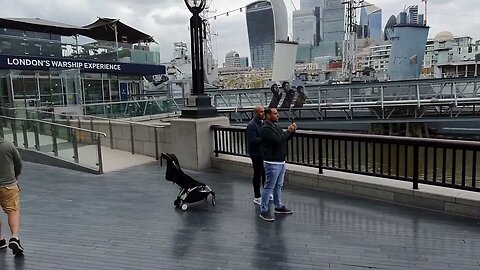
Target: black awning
[
  {"x": 104, "y": 29},
  {"x": 42, "y": 26}
]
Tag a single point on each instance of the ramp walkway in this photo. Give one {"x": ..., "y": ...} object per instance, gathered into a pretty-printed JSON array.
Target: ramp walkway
[
  {"x": 62, "y": 151},
  {"x": 126, "y": 220}
]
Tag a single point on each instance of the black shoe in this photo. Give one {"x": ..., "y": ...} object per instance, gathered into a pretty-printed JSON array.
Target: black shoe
[
  {"x": 266, "y": 216},
  {"x": 14, "y": 245},
  {"x": 3, "y": 243},
  {"x": 283, "y": 210}
]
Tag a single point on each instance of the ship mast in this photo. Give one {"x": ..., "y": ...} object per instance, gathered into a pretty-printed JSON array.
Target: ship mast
[{"x": 350, "y": 40}]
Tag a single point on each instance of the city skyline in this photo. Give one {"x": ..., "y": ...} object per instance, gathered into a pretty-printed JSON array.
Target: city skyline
[{"x": 168, "y": 21}]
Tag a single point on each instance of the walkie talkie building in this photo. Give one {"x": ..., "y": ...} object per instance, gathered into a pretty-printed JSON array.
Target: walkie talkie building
[{"x": 267, "y": 22}]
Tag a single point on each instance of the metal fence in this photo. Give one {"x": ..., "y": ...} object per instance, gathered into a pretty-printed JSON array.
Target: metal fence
[{"x": 439, "y": 162}]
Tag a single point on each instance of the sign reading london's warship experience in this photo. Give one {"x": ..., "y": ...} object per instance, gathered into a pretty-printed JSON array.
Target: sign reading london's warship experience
[{"x": 44, "y": 63}]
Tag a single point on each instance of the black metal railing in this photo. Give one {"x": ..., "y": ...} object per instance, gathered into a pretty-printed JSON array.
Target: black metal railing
[{"x": 448, "y": 163}]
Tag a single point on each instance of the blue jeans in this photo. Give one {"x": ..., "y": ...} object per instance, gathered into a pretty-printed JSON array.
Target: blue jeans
[{"x": 274, "y": 175}]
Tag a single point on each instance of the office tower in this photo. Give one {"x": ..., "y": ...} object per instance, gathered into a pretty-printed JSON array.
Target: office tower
[
  {"x": 307, "y": 26},
  {"x": 370, "y": 22},
  {"x": 244, "y": 62},
  {"x": 311, "y": 4},
  {"x": 412, "y": 13},
  {"x": 267, "y": 22},
  {"x": 388, "y": 32},
  {"x": 334, "y": 21},
  {"x": 232, "y": 60}
]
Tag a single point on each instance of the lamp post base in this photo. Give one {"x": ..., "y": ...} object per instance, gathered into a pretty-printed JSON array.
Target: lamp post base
[
  {"x": 199, "y": 106},
  {"x": 199, "y": 112}
]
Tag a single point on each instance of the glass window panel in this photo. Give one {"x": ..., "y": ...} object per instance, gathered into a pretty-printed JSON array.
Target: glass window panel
[
  {"x": 45, "y": 91},
  {"x": 25, "y": 87},
  {"x": 93, "y": 91},
  {"x": 51, "y": 90},
  {"x": 3, "y": 92},
  {"x": 114, "y": 90}
]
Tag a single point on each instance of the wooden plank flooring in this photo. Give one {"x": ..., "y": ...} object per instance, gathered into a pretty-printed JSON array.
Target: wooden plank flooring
[{"x": 126, "y": 220}]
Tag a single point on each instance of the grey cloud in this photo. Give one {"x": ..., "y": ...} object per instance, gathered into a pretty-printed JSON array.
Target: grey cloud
[
  {"x": 165, "y": 20},
  {"x": 174, "y": 19}
]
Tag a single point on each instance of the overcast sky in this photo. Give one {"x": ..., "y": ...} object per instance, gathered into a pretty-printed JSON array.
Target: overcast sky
[{"x": 167, "y": 20}]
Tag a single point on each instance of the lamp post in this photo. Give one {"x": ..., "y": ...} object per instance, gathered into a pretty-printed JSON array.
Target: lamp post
[{"x": 198, "y": 104}]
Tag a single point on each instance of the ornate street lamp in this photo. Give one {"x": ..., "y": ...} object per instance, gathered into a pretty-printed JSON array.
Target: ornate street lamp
[{"x": 198, "y": 105}]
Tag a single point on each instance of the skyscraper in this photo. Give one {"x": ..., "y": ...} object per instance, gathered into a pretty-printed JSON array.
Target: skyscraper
[
  {"x": 232, "y": 60},
  {"x": 267, "y": 22},
  {"x": 334, "y": 22},
  {"x": 370, "y": 22},
  {"x": 412, "y": 12},
  {"x": 307, "y": 26},
  {"x": 311, "y": 4}
]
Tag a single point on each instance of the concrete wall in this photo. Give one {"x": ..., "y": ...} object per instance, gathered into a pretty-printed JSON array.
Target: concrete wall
[
  {"x": 193, "y": 141},
  {"x": 143, "y": 136},
  {"x": 459, "y": 202}
]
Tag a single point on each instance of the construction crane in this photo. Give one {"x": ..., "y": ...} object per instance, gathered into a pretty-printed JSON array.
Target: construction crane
[
  {"x": 210, "y": 64},
  {"x": 295, "y": 8}
]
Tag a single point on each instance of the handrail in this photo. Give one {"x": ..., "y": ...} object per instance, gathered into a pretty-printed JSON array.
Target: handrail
[
  {"x": 55, "y": 124},
  {"x": 372, "y": 138},
  {"x": 122, "y": 102},
  {"x": 72, "y": 134},
  {"x": 83, "y": 116},
  {"x": 110, "y": 127},
  {"x": 439, "y": 162}
]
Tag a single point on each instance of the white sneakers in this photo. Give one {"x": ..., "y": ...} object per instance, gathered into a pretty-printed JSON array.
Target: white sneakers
[{"x": 259, "y": 200}]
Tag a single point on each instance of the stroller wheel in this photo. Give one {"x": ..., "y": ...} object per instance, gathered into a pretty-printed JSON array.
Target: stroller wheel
[
  {"x": 177, "y": 202},
  {"x": 184, "y": 207},
  {"x": 213, "y": 201}
]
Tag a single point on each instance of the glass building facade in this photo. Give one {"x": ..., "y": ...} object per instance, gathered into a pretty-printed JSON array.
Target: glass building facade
[
  {"x": 371, "y": 23},
  {"x": 266, "y": 23},
  {"x": 334, "y": 21},
  {"x": 311, "y": 4},
  {"x": 307, "y": 26},
  {"x": 43, "y": 70}
]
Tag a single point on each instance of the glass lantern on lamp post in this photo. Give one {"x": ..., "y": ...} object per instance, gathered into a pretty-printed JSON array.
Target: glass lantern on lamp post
[{"x": 198, "y": 104}]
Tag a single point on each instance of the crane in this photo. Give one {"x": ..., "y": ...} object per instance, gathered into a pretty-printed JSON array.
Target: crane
[{"x": 293, "y": 5}]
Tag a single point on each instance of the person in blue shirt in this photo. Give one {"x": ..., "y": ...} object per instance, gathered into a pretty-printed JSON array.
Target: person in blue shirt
[{"x": 254, "y": 151}]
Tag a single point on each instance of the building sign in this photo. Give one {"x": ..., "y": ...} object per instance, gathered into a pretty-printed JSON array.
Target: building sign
[{"x": 44, "y": 63}]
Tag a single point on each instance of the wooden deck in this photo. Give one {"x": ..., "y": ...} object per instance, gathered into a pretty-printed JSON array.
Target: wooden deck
[{"x": 126, "y": 220}]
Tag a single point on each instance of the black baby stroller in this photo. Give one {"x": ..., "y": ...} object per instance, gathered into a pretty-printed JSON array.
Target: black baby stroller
[{"x": 190, "y": 190}]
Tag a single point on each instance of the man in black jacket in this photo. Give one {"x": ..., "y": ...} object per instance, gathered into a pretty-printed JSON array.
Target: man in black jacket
[
  {"x": 274, "y": 149},
  {"x": 254, "y": 151}
]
